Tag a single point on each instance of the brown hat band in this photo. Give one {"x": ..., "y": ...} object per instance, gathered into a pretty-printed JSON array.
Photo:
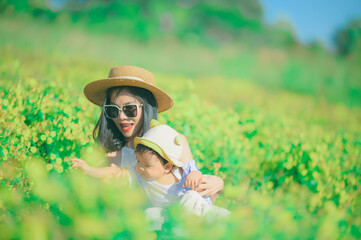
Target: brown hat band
[{"x": 129, "y": 77}]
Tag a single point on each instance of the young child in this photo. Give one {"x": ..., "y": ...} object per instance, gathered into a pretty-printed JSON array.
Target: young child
[{"x": 164, "y": 178}]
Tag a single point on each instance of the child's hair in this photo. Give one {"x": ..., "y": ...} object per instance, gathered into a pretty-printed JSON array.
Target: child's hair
[
  {"x": 106, "y": 132},
  {"x": 142, "y": 149}
]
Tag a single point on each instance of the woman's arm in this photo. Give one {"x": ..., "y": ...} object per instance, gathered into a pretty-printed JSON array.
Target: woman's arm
[
  {"x": 210, "y": 185},
  {"x": 186, "y": 155}
]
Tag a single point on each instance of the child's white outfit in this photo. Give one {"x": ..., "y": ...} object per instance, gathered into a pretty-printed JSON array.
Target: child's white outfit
[
  {"x": 168, "y": 144},
  {"x": 161, "y": 196}
]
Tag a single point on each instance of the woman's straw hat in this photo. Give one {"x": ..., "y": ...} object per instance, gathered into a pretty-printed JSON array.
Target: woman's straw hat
[{"x": 133, "y": 76}]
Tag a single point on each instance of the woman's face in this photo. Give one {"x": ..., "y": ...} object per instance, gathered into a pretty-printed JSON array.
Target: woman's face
[{"x": 129, "y": 127}]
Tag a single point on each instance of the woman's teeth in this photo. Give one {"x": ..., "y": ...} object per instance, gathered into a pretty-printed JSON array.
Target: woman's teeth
[{"x": 126, "y": 127}]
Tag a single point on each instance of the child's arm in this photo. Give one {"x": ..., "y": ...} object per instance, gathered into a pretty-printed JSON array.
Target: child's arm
[
  {"x": 114, "y": 159},
  {"x": 103, "y": 172},
  {"x": 193, "y": 179}
]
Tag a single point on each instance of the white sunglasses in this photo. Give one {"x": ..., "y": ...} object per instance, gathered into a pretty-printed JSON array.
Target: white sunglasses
[{"x": 130, "y": 110}]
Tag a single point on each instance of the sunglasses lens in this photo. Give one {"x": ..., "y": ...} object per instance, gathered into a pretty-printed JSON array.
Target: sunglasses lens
[
  {"x": 130, "y": 111},
  {"x": 112, "y": 111}
]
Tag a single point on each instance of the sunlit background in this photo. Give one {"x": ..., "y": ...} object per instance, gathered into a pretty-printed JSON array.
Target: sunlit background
[
  {"x": 289, "y": 45},
  {"x": 268, "y": 94}
]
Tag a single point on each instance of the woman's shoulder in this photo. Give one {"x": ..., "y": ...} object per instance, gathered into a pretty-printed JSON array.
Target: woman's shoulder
[
  {"x": 114, "y": 157},
  {"x": 186, "y": 155}
]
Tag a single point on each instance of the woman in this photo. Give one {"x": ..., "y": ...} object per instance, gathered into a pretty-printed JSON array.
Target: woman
[{"x": 130, "y": 100}]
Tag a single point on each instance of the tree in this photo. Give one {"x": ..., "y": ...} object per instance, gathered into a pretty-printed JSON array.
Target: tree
[{"x": 347, "y": 40}]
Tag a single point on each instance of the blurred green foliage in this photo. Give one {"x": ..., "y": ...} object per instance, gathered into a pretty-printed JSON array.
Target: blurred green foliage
[
  {"x": 202, "y": 22},
  {"x": 310, "y": 71}
]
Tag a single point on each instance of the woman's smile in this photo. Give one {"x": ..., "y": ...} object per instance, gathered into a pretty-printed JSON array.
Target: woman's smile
[{"x": 126, "y": 126}]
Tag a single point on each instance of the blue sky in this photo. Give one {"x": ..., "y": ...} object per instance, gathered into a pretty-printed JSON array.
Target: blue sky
[{"x": 312, "y": 19}]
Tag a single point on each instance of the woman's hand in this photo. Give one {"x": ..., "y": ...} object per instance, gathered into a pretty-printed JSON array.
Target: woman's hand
[
  {"x": 192, "y": 179},
  {"x": 210, "y": 185}
]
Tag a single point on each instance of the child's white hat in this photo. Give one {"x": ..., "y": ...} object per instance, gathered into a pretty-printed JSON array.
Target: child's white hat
[{"x": 164, "y": 140}]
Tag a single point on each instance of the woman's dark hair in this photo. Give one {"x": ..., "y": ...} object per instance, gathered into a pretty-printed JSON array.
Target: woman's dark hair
[
  {"x": 142, "y": 149},
  {"x": 106, "y": 132}
]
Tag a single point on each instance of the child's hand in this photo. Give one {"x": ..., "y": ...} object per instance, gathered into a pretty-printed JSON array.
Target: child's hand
[
  {"x": 210, "y": 185},
  {"x": 78, "y": 163},
  {"x": 193, "y": 179}
]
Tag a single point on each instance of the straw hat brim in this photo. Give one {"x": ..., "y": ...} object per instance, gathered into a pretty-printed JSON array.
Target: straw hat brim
[{"x": 95, "y": 91}]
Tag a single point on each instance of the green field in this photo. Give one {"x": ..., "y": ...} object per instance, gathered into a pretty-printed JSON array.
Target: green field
[{"x": 282, "y": 128}]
